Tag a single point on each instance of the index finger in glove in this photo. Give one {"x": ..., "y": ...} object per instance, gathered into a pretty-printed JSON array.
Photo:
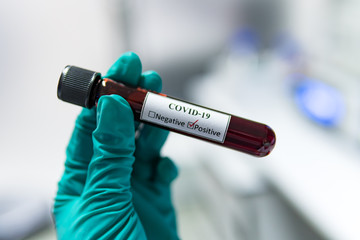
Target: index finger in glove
[
  {"x": 151, "y": 139},
  {"x": 106, "y": 210},
  {"x": 114, "y": 144},
  {"x": 78, "y": 154},
  {"x": 126, "y": 69}
]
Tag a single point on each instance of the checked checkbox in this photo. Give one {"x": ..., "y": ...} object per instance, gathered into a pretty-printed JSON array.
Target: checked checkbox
[{"x": 191, "y": 124}]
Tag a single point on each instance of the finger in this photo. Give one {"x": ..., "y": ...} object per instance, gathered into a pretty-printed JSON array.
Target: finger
[
  {"x": 151, "y": 139},
  {"x": 106, "y": 198},
  {"x": 114, "y": 144},
  {"x": 147, "y": 153},
  {"x": 151, "y": 80},
  {"x": 150, "y": 142},
  {"x": 154, "y": 206},
  {"x": 126, "y": 69},
  {"x": 78, "y": 154},
  {"x": 166, "y": 171}
]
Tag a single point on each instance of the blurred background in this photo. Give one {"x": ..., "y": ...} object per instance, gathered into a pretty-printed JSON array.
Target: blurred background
[{"x": 293, "y": 65}]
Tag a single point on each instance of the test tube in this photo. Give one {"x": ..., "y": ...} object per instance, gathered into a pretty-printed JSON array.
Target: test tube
[{"x": 84, "y": 87}]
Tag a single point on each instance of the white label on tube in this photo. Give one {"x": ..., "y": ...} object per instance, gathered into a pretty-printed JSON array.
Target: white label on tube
[{"x": 185, "y": 117}]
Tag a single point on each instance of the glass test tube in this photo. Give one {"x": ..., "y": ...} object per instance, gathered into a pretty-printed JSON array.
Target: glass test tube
[{"x": 83, "y": 87}]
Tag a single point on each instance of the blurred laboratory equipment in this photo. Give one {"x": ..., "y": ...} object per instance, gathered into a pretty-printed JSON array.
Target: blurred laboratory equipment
[{"x": 302, "y": 84}]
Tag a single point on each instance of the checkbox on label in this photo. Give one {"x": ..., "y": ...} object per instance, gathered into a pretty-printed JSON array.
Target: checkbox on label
[
  {"x": 191, "y": 125},
  {"x": 151, "y": 114}
]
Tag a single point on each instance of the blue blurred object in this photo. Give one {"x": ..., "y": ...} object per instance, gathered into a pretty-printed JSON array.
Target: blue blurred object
[
  {"x": 287, "y": 47},
  {"x": 320, "y": 102},
  {"x": 245, "y": 41}
]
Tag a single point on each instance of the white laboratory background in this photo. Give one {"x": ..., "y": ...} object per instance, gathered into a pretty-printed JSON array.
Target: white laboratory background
[{"x": 293, "y": 65}]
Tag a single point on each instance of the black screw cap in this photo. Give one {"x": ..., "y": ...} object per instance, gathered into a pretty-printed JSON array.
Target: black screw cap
[{"x": 76, "y": 86}]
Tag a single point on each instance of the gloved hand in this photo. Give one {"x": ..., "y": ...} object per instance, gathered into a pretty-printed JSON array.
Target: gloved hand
[{"x": 116, "y": 186}]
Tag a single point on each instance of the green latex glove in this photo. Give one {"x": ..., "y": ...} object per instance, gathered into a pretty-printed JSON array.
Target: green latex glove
[{"x": 115, "y": 186}]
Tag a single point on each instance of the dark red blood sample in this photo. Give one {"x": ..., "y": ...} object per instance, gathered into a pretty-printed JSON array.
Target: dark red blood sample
[
  {"x": 84, "y": 88},
  {"x": 243, "y": 135}
]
